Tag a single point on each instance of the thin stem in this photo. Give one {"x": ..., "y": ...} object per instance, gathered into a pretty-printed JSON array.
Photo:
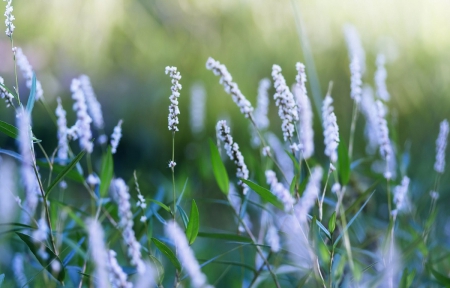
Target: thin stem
[
  {"x": 352, "y": 130},
  {"x": 258, "y": 272},
  {"x": 323, "y": 196},
  {"x": 15, "y": 70},
  {"x": 173, "y": 177}
]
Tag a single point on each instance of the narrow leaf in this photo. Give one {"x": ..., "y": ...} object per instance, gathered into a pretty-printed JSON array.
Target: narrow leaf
[
  {"x": 220, "y": 173},
  {"x": 332, "y": 223},
  {"x": 72, "y": 174},
  {"x": 441, "y": 278},
  {"x": 194, "y": 223},
  {"x": 158, "y": 267},
  {"x": 184, "y": 216},
  {"x": 343, "y": 163},
  {"x": 9, "y": 130},
  {"x": 46, "y": 263},
  {"x": 32, "y": 97},
  {"x": 63, "y": 173},
  {"x": 169, "y": 253},
  {"x": 106, "y": 173},
  {"x": 352, "y": 220},
  {"x": 265, "y": 194},
  {"x": 162, "y": 205}
]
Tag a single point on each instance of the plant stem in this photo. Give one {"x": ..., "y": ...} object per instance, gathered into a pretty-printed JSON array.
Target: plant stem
[{"x": 352, "y": 130}]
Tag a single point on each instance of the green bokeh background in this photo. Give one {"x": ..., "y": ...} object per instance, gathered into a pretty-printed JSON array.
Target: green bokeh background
[{"x": 124, "y": 46}]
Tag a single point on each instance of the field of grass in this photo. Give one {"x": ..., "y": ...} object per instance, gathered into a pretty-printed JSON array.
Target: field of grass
[{"x": 224, "y": 144}]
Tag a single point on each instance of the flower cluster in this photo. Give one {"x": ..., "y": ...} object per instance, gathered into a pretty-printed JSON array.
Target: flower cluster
[
  {"x": 115, "y": 137},
  {"x": 305, "y": 113},
  {"x": 9, "y": 18},
  {"x": 27, "y": 72},
  {"x": 355, "y": 80},
  {"x": 63, "y": 146},
  {"x": 380, "y": 79},
  {"x": 122, "y": 198},
  {"x": 330, "y": 129},
  {"x": 83, "y": 124},
  {"x": 98, "y": 252},
  {"x": 28, "y": 176},
  {"x": 441, "y": 144},
  {"x": 383, "y": 136},
  {"x": 354, "y": 45},
  {"x": 7, "y": 207},
  {"x": 4, "y": 94},
  {"x": 117, "y": 277},
  {"x": 273, "y": 239},
  {"x": 369, "y": 110},
  {"x": 94, "y": 107},
  {"x": 310, "y": 194},
  {"x": 230, "y": 87},
  {"x": 40, "y": 236},
  {"x": 198, "y": 103},
  {"x": 262, "y": 104},
  {"x": 400, "y": 195},
  {"x": 186, "y": 255},
  {"x": 279, "y": 190},
  {"x": 280, "y": 154},
  {"x": 174, "y": 111},
  {"x": 284, "y": 99},
  {"x": 232, "y": 148},
  {"x": 236, "y": 204}
]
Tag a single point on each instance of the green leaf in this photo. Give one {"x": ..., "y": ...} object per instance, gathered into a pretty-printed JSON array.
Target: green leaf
[
  {"x": 407, "y": 278},
  {"x": 220, "y": 173},
  {"x": 343, "y": 163},
  {"x": 46, "y": 263},
  {"x": 441, "y": 278},
  {"x": 265, "y": 194},
  {"x": 159, "y": 268},
  {"x": 194, "y": 223},
  {"x": 184, "y": 216},
  {"x": 164, "y": 206},
  {"x": 292, "y": 187},
  {"x": 332, "y": 223},
  {"x": 9, "y": 130},
  {"x": 106, "y": 173},
  {"x": 63, "y": 173},
  {"x": 352, "y": 220},
  {"x": 225, "y": 236},
  {"x": 169, "y": 253},
  {"x": 72, "y": 175},
  {"x": 32, "y": 97}
]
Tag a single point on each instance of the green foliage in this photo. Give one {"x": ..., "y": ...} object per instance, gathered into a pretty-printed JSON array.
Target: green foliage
[
  {"x": 168, "y": 253},
  {"x": 9, "y": 129},
  {"x": 220, "y": 173},
  {"x": 194, "y": 224},
  {"x": 107, "y": 172},
  {"x": 32, "y": 97},
  {"x": 265, "y": 194}
]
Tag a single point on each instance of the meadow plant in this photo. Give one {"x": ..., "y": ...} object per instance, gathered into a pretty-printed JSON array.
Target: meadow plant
[{"x": 120, "y": 235}]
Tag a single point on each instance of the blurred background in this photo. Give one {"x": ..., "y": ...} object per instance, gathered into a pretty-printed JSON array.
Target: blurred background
[{"x": 124, "y": 46}]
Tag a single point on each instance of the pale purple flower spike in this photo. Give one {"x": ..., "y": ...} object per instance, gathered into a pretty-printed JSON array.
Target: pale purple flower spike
[
  {"x": 441, "y": 145},
  {"x": 174, "y": 111}
]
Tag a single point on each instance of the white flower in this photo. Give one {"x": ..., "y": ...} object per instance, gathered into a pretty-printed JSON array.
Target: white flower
[
  {"x": 94, "y": 107},
  {"x": 369, "y": 109},
  {"x": 40, "y": 236},
  {"x": 99, "y": 254},
  {"x": 232, "y": 148},
  {"x": 273, "y": 239},
  {"x": 279, "y": 190},
  {"x": 380, "y": 78},
  {"x": 117, "y": 277},
  {"x": 262, "y": 104},
  {"x": 4, "y": 94},
  {"x": 115, "y": 137},
  {"x": 354, "y": 45},
  {"x": 336, "y": 188},
  {"x": 83, "y": 124},
  {"x": 8, "y": 190},
  {"x": 230, "y": 87},
  {"x": 266, "y": 150},
  {"x": 93, "y": 180},
  {"x": 186, "y": 255},
  {"x": 9, "y": 18},
  {"x": 330, "y": 128},
  {"x": 383, "y": 137},
  {"x": 18, "y": 270},
  {"x": 310, "y": 194},
  {"x": 29, "y": 179},
  {"x": 355, "y": 80},
  {"x": 63, "y": 145},
  {"x": 174, "y": 111},
  {"x": 236, "y": 203},
  {"x": 198, "y": 104},
  {"x": 434, "y": 195},
  {"x": 400, "y": 197},
  {"x": 306, "y": 133},
  {"x": 172, "y": 164},
  {"x": 143, "y": 219},
  {"x": 121, "y": 196},
  {"x": 284, "y": 99},
  {"x": 27, "y": 72},
  {"x": 282, "y": 157},
  {"x": 141, "y": 203},
  {"x": 441, "y": 144}
]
